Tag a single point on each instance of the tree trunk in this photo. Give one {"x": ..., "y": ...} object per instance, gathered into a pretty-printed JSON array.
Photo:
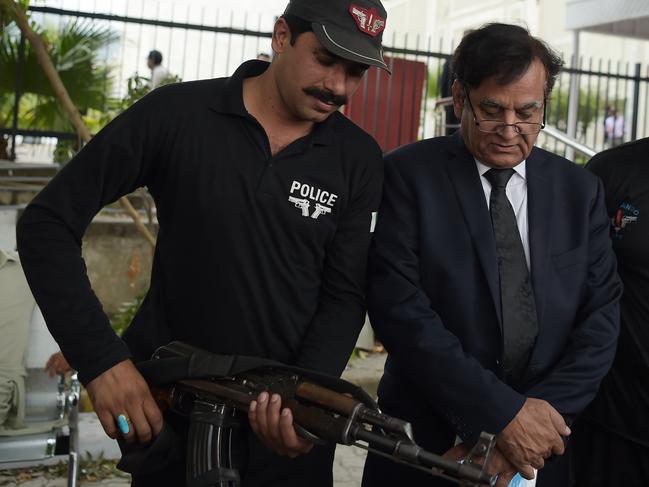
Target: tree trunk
[{"x": 4, "y": 145}]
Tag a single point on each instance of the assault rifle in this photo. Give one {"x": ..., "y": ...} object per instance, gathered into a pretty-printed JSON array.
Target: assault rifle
[{"x": 325, "y": 410}]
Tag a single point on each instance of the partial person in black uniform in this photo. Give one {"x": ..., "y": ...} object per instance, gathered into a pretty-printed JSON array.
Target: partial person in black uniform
[
  {"x": 452, "y": 122},
  {"x": 266, "y": 197},
  {"x": 611, "y": 439},
  {"x": 491, "y": 279}
]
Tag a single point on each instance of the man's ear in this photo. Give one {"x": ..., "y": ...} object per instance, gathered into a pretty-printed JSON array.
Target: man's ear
[
  {"x": 281, "y": 36},
  {"x": 458, "y": 98}
]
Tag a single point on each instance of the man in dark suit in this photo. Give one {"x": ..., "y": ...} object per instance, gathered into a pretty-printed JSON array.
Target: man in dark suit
[{"x": 492, "y": 282}]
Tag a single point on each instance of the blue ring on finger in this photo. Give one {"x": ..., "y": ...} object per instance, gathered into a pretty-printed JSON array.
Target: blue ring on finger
[{"x": 123, "y": 424}]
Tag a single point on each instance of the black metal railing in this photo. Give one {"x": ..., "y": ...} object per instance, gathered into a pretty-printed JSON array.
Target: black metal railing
[{"x": 212, "y": 45}]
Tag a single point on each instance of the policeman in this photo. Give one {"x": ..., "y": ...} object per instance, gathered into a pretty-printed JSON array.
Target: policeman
[{"x": 239, "y": 266}]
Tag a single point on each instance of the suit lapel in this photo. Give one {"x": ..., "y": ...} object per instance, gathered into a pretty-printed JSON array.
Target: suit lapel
[
  {"x": 540, "y": 208},
  {"x": 464, "y": 176}
]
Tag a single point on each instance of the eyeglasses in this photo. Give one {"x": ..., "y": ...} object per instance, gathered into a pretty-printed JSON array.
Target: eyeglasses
[{"x": 495, "y": 126}]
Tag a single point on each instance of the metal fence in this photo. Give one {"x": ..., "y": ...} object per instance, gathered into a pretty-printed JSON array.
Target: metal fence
[
  {"x": 212, "y": 44},
  {"x": 599, "y": 86}
]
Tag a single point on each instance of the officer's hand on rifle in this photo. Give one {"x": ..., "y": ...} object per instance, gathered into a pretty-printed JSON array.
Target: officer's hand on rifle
[
  {"x": 274, "y": 426},
  {"x": 124, "y": 404},
  {"x": 498, "y": 464},
  {"x": 533, "y": 435}
]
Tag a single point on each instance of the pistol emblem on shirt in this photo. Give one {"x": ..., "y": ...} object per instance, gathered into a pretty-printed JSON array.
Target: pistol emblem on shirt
[
  {"x": 319, "y": 210},
  {"x": 625, "y": 214},
  {"x": 301, "y": 203},
  {"x": 304, "y": 196}
]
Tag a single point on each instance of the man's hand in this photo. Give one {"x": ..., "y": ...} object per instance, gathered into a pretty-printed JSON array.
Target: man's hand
[
  {"x": 122, "y": 390},
  {"x": 274, "y": 426},
  {"x": 57, "y": 364},
  {"x": 533, "y": 435},
  {"x": 498, "y": 464}
]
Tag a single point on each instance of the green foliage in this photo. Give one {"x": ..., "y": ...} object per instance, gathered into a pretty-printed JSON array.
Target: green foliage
[
  {"x": 6, "y": 18},
  {"x": 358, "y": 353},
  {"x": 126, "y": 313},
  {"x": 6, "y": 108},
  {"x": 65, "y": 150},
  {"x": 74, "y": 51},
  {"x": 137, "y": 87},
  {"x": 6, "y": 111},
  {"x": 433, "y": 83}
]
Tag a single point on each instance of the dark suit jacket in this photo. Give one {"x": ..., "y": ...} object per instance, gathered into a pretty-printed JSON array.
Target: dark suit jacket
[{"x": 433, "y": 288}]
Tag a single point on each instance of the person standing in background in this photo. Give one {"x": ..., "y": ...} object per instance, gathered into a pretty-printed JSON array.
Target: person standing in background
[
  {"x": 158, "y": 72},
  {"x": 445, "y": 82},
  {"x": 614, "y": 128},
  {"x": 16, "y": 307}
]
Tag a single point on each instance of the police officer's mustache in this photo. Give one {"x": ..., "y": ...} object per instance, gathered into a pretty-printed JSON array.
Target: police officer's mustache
[{"x": 326, "y": 96}]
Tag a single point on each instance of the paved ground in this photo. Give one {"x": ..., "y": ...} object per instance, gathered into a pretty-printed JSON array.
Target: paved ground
[
  {"x": 349, "y": 460},
  {"x": 364, "y": 371}
]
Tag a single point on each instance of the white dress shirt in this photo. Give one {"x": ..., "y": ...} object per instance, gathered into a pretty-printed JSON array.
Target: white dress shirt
[
  {"x": 516, "y": 192},
  {"x": 614, "y": 126},
  {"x": 158, "y": 74}
]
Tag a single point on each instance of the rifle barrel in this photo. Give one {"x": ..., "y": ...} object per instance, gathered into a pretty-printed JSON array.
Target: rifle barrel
[{"x": 412, "y": 453}]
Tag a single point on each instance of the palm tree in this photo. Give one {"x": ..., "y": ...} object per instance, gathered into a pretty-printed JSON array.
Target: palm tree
[{"x": 74, "y": 51}]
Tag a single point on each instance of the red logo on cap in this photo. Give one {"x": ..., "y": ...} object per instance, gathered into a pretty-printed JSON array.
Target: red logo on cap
[{"x": 368, "y": 21}]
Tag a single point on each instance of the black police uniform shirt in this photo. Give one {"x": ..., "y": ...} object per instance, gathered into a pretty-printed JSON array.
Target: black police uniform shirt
[
  {"x": 622, "y": 404},
  {"x": 256, "y": 254}
]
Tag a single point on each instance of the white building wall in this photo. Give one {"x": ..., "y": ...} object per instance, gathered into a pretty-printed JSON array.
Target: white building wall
[
  {"x": 449, "y": 19},
  {"x": 411, "y": 24}
]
